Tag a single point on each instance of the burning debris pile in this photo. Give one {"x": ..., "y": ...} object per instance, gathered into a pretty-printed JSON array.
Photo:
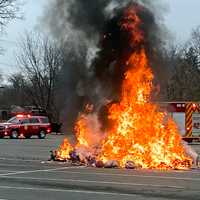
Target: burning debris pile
[{"x": 139, "y": 135}]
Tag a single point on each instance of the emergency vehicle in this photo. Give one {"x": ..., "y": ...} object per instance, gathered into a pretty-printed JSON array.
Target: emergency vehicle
[
  {"x": 187, "y": 117},
  {"x": 25, "y": 126}
]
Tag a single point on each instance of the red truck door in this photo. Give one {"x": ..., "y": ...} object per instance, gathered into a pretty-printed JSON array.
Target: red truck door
[
  {"x": 24, "y": 126},
  {"x": 34, "y": 125}
]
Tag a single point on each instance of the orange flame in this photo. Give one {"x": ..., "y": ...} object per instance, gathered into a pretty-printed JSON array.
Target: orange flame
[
  {"x": 81, "y": 132},
  {"x": 131, "y": 23},
  {"x": 65, "y": 148},
  {"x": 87, "y": 130},
  {"x": 140, "y": 133}
]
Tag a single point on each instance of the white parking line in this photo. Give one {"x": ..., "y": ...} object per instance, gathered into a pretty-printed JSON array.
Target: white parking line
[
  {"x": 66, "y": 190},
  {"x": 4, "y": 170},
  {"x": 98, "y": 182},
  {"x": 20, "y": 159},
  {"x": 33, "y": 171},
  {"x": 57, "y": 170},
  {"x": 14, "y": 165},
  {"x": 128, "y": 175}
]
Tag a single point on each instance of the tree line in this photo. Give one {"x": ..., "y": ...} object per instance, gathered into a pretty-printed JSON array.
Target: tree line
[
  {"x": 41, "y": 62},
  {"x": 183, "y": 82}
]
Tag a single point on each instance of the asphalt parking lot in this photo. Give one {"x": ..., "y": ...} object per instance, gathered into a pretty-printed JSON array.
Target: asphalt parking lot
[
  {"x": 29, "y": 149},
  {"x": 26, "y": 174}
]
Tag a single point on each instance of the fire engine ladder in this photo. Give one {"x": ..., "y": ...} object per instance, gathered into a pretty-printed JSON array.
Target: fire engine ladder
[{"x": 190, "y": 108}]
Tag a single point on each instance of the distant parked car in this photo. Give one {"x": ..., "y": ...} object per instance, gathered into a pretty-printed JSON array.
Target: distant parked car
[{"x": 25, "y": 126}]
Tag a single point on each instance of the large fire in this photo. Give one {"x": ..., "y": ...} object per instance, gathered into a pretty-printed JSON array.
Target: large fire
[{"x": 140, "y": 132}]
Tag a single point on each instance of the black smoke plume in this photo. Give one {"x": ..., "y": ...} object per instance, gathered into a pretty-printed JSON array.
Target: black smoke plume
[{"x": 95, "y": 48}]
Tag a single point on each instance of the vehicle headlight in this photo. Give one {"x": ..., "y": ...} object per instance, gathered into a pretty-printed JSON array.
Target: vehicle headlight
[{"x": 6, "y": 127}]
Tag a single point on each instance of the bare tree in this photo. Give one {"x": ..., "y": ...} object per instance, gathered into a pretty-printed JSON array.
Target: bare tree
[
  {"x": 8, "y": 10},
  {"x": 40, "y": 61},
  {"x": 184, "y": 82},
  {"x": 17, "y": 84},
  {"x": 194, "y": 43},
  {"x": 1, "y": 77}
]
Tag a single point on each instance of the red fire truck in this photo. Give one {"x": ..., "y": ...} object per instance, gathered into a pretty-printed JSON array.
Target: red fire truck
[
  {"x": 187, "y": 117},
  {"x": 25, "y": 126}
]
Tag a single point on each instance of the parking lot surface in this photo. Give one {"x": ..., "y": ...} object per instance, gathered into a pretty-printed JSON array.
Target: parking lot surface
[
  {"x": 26, "y": 174},
  {"x": 29, "y": 149}
]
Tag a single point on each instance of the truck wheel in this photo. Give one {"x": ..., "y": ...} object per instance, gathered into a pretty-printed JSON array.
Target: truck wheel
[
  {"x": 14, "y": 134},
  {"x": 42, "y": 134}
]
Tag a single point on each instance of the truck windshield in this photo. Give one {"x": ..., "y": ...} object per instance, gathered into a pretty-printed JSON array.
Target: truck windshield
[
  {"x": 44, "y": 120},
  {"x": 14, "y": 120}
]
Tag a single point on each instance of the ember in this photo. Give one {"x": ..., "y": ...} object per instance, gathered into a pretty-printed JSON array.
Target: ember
[{"x": 141, "y": 136}]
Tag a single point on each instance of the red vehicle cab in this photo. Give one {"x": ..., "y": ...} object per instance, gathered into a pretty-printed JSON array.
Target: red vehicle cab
[{"x": 25, "y": 126}]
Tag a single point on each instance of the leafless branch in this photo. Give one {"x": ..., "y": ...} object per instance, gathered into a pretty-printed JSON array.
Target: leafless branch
[
  {"x": 9, "y": 10},
  {"x": 40, "y": 61}
]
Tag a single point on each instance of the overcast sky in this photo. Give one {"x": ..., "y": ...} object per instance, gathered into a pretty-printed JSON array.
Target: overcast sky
[{"x": 181, "y": 18}]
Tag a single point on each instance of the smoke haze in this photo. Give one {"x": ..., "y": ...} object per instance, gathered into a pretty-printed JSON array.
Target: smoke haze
[{"x": 95, "y": 48}]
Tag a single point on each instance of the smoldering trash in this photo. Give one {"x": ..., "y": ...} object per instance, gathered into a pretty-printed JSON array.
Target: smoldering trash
[{"x": 121, "y": 127}]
